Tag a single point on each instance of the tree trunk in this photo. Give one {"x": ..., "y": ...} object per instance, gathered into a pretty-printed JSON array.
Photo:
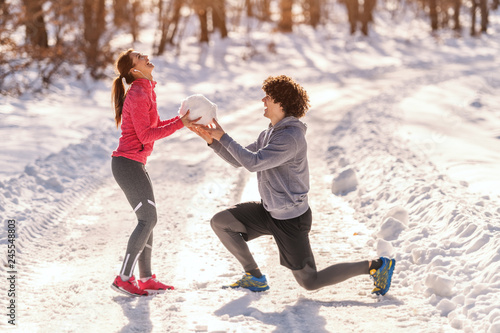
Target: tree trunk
[
  {"x": 352, "y": 14},
  {"x": 201, "y": 11},
  {"x": 473, "y": 18},
  {"x": 314, "y": 12},
  {"x": 367, "y": 16},
  {"x": 219, "y": 16},
  {"x": 175, "y": 20},
  {"x": 4, "y": 9},
  {"x": 433, "y": 14},
  {"x": 456, "y": 15},
  {"x": 169, "y": 23},
  {"x": 249, "y": 6},
  {"x": 265, "y": 6},
  {"x": 286, "y": 22},
  {"x": 94, "y": 25},
  {"x": 36, "y": 32},
  {"x": 135, "y": 13},
  {"x": 121, "y": 12},
  {"x": 483, "y": 5}
]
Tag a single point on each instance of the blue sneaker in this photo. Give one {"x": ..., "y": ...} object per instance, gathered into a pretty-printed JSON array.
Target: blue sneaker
[
  {"x": 250, "y": 282},
  {"x": 382, "y": 276}
]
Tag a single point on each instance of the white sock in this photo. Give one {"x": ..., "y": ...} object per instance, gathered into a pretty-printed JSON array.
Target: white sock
[
  {"x": 124, "y": 277},
  {"x": 146, "y": 279}
]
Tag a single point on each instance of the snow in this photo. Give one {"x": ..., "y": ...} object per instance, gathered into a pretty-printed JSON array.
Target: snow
[
  {"x": 199, "y": 106},
  {"x": 413, "y": 118}
]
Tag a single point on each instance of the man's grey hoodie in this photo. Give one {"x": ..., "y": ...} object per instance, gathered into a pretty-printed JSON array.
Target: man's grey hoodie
[{"x": 279, "y": 156}]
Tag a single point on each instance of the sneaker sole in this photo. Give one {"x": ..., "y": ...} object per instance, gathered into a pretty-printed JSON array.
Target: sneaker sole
[
  {"x": 389, "y": 277},
  {"x": 254, "y": 289},
  {"x": 155, "y": 291},
  {"x": 123, "y": 291}
]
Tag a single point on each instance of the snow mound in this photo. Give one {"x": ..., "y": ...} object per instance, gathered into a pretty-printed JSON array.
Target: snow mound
[
  {"x": 398, "y": 213},
  {"x": 390, "y": 229},
  {"x": 440, "y": 285},
  {"x": 384, "y": 248},
  {"x": 199, "y": 106},
  {"x": 345, "y": 182}
]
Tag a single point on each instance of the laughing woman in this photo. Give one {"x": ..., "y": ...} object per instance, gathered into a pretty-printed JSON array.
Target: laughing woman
[{"x": 136, "y": 112}]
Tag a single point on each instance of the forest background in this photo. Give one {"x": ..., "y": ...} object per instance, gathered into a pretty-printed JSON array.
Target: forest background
[{"x": 39, "y": 38}]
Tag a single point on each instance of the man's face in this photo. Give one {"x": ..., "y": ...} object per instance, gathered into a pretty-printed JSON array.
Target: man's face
[{"x": 271, "y": 109}]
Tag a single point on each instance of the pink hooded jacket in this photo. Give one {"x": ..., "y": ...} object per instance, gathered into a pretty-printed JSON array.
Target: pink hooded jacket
[{"x": 141, "y": 125}]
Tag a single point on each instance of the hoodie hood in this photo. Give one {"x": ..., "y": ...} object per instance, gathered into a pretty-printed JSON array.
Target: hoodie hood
[{"x": 290, "y": 121}]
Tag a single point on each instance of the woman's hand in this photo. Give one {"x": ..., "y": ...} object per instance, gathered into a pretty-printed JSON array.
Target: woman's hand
[
  {"x": 202, "y": 133},
  {"x": 216, "y": 132},
  {"x": 187, "y": 122}
]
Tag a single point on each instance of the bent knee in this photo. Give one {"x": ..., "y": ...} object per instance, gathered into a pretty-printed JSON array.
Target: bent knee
[
  {"x": 307, "y": 277},
  {"x": 221, "y": 220},
  {"x": 307, "y": 284}
]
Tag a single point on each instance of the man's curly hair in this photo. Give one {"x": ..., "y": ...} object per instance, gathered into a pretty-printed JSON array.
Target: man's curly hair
[{"x": 288, "y": 93}]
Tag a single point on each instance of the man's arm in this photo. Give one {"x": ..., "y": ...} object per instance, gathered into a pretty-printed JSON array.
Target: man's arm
[
  {"x": 220, "y": 149},
  {"x": 279, "y": 150}
]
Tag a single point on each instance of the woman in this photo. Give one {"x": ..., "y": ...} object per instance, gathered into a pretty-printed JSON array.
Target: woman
[{"x": 141, "y": 126}]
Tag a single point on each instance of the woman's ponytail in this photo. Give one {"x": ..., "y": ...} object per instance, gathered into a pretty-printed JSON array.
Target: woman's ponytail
[
  {"x": 118, "y": 95},
  {"x": 123, "y": 66}
]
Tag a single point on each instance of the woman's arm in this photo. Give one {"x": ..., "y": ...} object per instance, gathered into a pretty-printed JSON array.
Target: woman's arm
[
  {"x": 142, "y": 120},
  {"x": 147, "y": 133},
  {"x": 168, "y": 121}
]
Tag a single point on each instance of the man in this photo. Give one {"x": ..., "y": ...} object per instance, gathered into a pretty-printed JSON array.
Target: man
[{"x": 279, "y": 156}]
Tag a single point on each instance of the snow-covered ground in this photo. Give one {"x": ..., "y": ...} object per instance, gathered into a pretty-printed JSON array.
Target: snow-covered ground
[{"x": 404, "y": 129}]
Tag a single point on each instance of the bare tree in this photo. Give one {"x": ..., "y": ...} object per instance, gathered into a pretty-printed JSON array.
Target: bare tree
[
  {"x": 4, "y": 9},
  {"x": 213, "y": 11},
  {"x": 367, "y": 17},
  {"x": 352, "y": 14},
  {"x": 201, "y": 7},
  {"x": 94, "y": 26},
  {"x": 286, "y": 21},
  {"x": 456, "y": 14},
  {"x": 219, "y": 16},
  {"x": 311, "y": 10},
  {"x": 135, "y": 13},
  {"x": 121, "y": 12},
  {"x": 169, "y": 16},
  {"x": 265, "y": 9},
  {"x": 36, "y": 32},
  {"x": 433, "y": 12},
  {"x": 483, "y": 7},
  {"x": 249, "y": 7}
]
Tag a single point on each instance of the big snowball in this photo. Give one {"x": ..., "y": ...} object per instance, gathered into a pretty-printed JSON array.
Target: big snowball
[{"x": 199, "y": 106}]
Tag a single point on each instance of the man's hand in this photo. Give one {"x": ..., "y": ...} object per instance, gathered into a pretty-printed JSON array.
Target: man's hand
[
  {"x": 202, "y": 133},
  {"x": 216, "y": 132}
]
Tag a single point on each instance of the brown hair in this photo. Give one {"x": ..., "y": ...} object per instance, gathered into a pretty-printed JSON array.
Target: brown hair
[
  {"x": 288, "y": 93},
  {"x": 123, "y": 66}
]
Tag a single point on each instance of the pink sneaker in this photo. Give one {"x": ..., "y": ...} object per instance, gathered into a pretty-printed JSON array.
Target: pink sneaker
[
  {"x": 154, "y": 286},
  {"x": 129, "y": 287}
]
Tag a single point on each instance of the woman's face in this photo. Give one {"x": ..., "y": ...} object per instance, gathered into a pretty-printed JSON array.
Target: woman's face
[{"x": 142, "y": 65}]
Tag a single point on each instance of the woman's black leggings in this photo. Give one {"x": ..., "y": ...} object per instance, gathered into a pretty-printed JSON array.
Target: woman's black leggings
[{"x": 136, "y": 184}]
